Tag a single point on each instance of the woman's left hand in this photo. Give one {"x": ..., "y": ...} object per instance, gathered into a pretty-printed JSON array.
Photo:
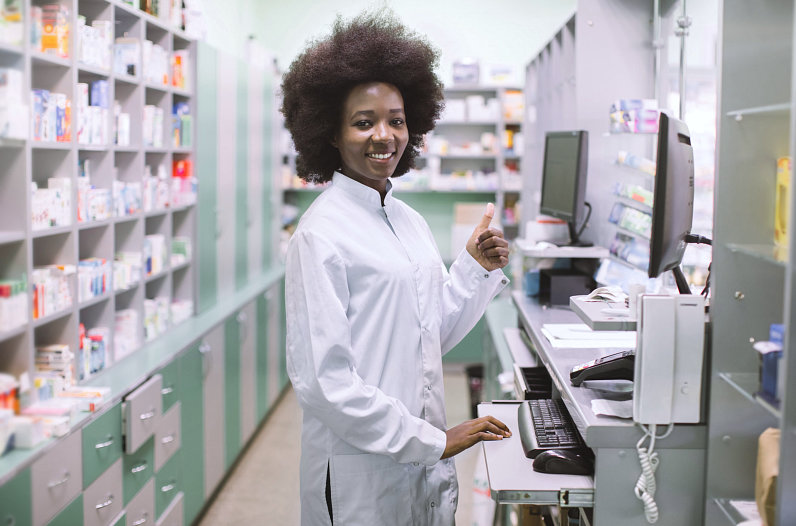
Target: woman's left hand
[{"x": 487, "y": 245}]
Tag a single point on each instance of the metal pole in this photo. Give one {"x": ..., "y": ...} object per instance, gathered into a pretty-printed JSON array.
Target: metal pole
[{"x": 683, "y": 23}]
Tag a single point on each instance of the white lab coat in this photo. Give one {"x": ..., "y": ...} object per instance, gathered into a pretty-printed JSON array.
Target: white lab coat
[{"x": 370, "y": 311}]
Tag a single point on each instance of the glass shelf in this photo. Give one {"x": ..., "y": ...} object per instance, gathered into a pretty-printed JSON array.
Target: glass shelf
[
  {"x": 773, "y": 109},
  {"x": 747, "y": 384},
  {"x": 769, "y": 253}
]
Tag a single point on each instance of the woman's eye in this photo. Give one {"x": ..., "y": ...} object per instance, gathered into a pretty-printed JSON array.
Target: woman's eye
[
  {"x": 362, "y": 124},
  {"x": 398, "y": 122}
]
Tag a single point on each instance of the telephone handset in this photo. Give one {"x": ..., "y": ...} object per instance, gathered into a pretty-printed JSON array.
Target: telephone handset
[{"x": 618, "y": 366}]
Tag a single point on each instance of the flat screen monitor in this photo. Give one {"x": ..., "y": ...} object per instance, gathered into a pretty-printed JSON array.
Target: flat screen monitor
[
  {"x": 566, "y": 155},
  {"x": 673, "y": 200}
]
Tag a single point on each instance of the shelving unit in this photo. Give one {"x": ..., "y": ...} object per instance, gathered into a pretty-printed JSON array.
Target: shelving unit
[
  {"x": 753, "y": 284},
  {"x": 23, "y": 162}
]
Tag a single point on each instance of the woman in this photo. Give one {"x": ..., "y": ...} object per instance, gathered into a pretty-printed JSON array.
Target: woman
[{"x": 370, "y": 305}]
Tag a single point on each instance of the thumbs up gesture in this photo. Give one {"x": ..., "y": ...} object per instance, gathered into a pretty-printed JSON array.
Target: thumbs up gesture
[{"x": 487, "y": 245}]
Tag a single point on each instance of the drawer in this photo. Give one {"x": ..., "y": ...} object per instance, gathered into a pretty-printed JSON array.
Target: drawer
[
  {"x": 168, "y": 483},
  {"x": 173, "y": 516},
  {"x": 103, "y": 499},
  {"x": 142, "y": 410},
  {"x": 15, "y": 501},
  {"x": 57, "y": 478},
  {"x": 167, "y": 436},
  {"x": 102, "y": 444},
  {"x": 141, "y": 509},
  {"x": 121, "y": 520},
  {"x": 170, "y": 391},
  {"x": 138, "y": 469}
]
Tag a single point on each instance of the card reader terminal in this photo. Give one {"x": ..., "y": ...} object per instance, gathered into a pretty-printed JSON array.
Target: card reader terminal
[{"x": 618, "y": 366}]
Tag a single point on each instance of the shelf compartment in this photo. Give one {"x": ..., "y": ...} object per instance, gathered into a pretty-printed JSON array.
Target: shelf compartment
[
  {"x": 95, "y": 71},
  {"x": 93, "y": 301},
  {"x": 40, "y": 322},
  {"x": 50, "y": 145},
  {"x": 764, "y": 252},
  {"x": 11, "y": 49},
  {"x": 11, "y": 237},
  {"x": 13, "y": 333},
  {"x": 52, "y": 231},
  {"x": 748, "y": 384},
  {"x": 46, "y": 59}
]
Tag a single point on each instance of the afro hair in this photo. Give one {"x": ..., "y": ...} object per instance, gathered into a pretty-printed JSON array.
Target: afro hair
[{"x": 369, "y": 48}]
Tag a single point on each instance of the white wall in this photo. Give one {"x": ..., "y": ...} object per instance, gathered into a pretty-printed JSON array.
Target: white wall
[{"x": 504, "y": 32}]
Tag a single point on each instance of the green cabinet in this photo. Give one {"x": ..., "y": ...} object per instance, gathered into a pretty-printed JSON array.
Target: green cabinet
[
  {"x": 102, "y": 444},
  {"x": 231, "y": 390},
  {"x": 138, "y": 469},
  {"x": 70, "y": 516},
  {"x": 170, "y": 390},
  {"x": 168, "y": 483},
  {"x": 15, "y": 501},
  {"x": 262, "y": 325},
  {"x": 191, "y": 454}
]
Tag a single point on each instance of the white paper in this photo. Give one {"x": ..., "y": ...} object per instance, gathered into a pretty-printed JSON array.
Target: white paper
[
  {"x": 621, "y": 409},
  {"x": 579, "y": 343},
  {"x": 581, "y": 331}
]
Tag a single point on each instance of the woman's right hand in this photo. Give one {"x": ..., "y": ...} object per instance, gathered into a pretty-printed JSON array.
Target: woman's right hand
[{"x": 471, "y": 432}]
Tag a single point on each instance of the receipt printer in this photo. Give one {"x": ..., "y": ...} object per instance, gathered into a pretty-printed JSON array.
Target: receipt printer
[{"x": 556, "y": 285}]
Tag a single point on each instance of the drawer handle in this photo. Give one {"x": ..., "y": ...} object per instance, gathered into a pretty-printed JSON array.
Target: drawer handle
[
  {"x": 103, "y": 445},
  {"x": 105, "y": 504},
  {"x": 139, "y": 468},
  {"x": 166, "y": 391},
  {"x": 168, "y": 487},
  {"x": 147, "y": 416},
  {"x": 57, "y": 483},
  {"x": 168, "y": 439},
  {"x": 142, "y": 520},
  {"x": 11, "y": 520}
]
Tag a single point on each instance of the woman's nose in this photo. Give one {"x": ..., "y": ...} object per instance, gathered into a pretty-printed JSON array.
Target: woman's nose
[{"x": 381, "y": 132}]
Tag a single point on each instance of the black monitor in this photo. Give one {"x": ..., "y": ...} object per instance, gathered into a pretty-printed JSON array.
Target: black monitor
[
  {"x": 566, "y": 155},
  {"x": 673, "y": 200}
]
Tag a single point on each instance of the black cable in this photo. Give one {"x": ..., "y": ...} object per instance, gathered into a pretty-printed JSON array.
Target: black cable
[
  {"x": 585, "y": 221},
  {"x": 698, "y": 240}
]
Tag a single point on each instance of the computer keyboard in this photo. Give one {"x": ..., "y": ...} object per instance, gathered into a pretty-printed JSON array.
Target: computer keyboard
[{"x": 545, "y": 424}]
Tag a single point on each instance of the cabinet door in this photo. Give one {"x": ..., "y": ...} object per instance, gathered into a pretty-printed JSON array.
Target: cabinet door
[
  {"x": 212, "y": 349},
  {"x": 231, "y": 420},
  {"x": 263, "y": 329},
  {"x": 170, "y": 390},
  {"x": 167, "y": 436},
  {"x": 15, "y": 503},
  {"x": 141, "y": 509},
  {"x": 192, "y": 427},
  {"x": 71, "y": 515},
  {"x": 57, "y": 478},
  {"x": 138, "y": 468},
  {"x": 102, "y": 500},
  {"x": 102, "y": 444},
  {"x": 247, "y": 320},
  {"x": 227, "y": 103}
]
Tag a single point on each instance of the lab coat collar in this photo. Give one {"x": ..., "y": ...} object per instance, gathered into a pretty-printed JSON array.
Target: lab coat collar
[{"x": 364, "y": 194}]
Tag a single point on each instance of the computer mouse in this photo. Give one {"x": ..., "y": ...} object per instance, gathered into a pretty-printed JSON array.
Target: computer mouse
[{"x": 564, "y": 462}]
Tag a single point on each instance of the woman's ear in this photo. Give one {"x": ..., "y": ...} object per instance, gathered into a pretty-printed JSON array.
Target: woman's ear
[{"x": 333, "y": 142}]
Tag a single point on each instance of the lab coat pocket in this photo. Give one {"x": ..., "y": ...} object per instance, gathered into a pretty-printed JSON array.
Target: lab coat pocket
[{"x": 370, "y": 489}]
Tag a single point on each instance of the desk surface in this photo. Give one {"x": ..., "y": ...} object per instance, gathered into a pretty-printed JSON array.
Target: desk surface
[
  {"x": 511, "y": 474},
  {"x": 597, "y": 431}
]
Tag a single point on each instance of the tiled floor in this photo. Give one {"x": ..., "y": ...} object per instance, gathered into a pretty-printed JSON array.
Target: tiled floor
[{"x": 263, "y": 487}]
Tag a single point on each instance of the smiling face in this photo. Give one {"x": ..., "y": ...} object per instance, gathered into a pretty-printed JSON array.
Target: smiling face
[{"x": 372, "y": 135}]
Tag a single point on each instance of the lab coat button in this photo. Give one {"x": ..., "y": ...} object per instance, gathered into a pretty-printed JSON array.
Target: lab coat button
[
  {"x": 503, "y": 281},
  {"x": 415, "y": 464},
  {"x": 428, "y": 387},
  {"x": 433, "y": 504},
  {"x": 486, "y": 276}
]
